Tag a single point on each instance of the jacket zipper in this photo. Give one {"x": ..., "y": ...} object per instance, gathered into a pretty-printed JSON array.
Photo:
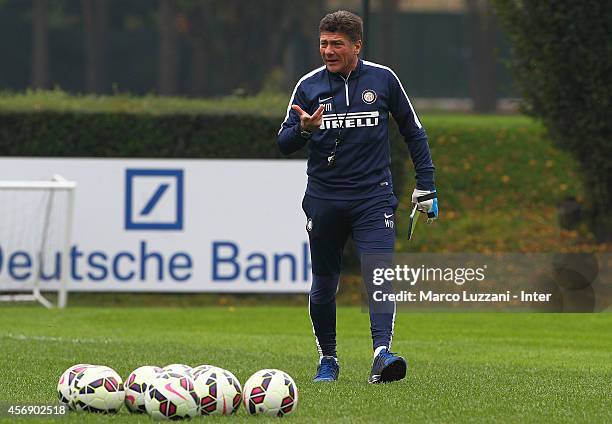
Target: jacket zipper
[{"x": 346, "y": 93}]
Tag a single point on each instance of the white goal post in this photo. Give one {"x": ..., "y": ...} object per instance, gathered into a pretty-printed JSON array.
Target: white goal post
[{"x": 35, "y": 232}]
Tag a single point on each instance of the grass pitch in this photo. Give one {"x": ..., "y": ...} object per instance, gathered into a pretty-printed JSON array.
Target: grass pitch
[{"x": 462, "y": 367}]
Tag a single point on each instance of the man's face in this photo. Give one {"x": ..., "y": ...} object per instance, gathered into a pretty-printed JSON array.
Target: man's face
[{"x": 338, "y": 52}]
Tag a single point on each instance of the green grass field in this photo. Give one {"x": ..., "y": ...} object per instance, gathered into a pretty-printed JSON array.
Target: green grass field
[{"x": 462, "y": 367}]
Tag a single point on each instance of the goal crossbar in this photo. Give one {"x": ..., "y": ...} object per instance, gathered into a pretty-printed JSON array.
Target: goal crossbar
[{"x": 38, "y": 185}]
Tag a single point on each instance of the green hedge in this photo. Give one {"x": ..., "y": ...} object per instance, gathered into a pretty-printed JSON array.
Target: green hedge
[
  {"x": 499, "y": 178},
  {"x": 64, "y": 134}
]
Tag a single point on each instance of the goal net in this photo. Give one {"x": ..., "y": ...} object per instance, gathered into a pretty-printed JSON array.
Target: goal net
[{"x": 35, "y": 238}]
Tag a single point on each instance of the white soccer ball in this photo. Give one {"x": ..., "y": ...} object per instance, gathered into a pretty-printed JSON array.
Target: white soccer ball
[
  {"x": 136, "y": 386},
  {"x": 219, "y": 391},
  {"x": 270, "y": 392},
  {"x": 172, "y": 396},
  {"x": 72, "y": 389},
  {"x": 97, "y": 389},
  {"x": 63, "y": 385},
  {"x": 178, "y": 368},
  {"x": 195, "y": 371}
]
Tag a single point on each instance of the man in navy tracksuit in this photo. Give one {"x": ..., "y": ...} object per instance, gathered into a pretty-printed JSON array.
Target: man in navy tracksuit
[{"x": 341, "y": 111}]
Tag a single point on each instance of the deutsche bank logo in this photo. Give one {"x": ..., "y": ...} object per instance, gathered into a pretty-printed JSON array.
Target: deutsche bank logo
[{"x": 154, "y": 199}]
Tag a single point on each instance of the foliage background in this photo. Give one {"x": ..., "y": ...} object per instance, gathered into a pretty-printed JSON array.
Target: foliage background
[
  {"x": 500, "y": 178},
  {"x": 562, "y": 67}
]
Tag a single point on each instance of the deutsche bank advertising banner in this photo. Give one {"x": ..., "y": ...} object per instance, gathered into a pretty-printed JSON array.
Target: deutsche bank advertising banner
[{"x": 174, "y": 225}]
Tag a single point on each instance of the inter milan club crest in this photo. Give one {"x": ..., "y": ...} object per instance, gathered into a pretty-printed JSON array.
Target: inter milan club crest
[
  {"x": 368, "y": 96},
  {"x": 309, "y": 225}
]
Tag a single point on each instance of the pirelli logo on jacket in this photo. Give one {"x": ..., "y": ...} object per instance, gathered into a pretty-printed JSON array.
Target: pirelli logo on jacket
[{"x": 352, "y": 120}]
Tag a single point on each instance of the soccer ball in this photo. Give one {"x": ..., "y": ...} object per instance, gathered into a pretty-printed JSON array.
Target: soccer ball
[
  {"x": 136, "y": 386},
  {"x": 172, "y": 396},
  {"x": 72, "y": 389},
  {"x": 178, "y": 368},
  {"x": 97, "y": 389},
  {"x": 219, "y": 391},
  {"x": 63, "y": 385},
  {"x": 200, "y": 369},
  {"x": 270, "y": 392}
]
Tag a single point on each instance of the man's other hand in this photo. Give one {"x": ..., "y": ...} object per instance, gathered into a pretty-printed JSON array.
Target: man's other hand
[{"x": 430, "y": 206}]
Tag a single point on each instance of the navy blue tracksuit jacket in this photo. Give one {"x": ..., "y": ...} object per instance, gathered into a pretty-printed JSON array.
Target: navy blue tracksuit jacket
[{"x": 363, "y": 102}]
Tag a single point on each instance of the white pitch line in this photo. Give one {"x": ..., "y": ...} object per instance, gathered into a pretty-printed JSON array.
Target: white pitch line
[{"x": 55, "y": 339}]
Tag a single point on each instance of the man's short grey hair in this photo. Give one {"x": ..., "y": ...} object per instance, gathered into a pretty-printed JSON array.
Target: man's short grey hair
[{"x": 345, "y": 22}]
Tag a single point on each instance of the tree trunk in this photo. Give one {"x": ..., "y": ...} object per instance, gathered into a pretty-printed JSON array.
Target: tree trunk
[
  {"x": 388, "y": 13},
  {"x": 40, "y": 45},
  {"x": 199, "y": 53},
  {"x": 482, "y": 28},
  {"x": 289, "y": 66},
  {"x": 169, "y": 57},
  {"x": 198, "y": 81},
  {"x": 95, "y": 22},
  {"x": 278, "y": 44},
  {"x": 309, "y": 19}
]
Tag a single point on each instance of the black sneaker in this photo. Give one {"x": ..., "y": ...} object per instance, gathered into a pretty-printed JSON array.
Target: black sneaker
[
  {"x": 328, "y": 369},
  {"x": 387, "y": 366}
]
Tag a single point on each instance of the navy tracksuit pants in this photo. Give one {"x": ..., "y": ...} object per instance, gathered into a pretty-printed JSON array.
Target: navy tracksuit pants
[{"x": 370, "y": 223}]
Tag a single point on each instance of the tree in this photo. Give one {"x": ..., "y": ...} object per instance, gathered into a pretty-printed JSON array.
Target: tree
[
  {"x": 482, "y": 34},
  {"x": 562, "y": 66},
  {"x": 199, "y": 35},
  {"x": 388, "y": 13},
  {"x": 40, "y": 44},
  {"x": 95, "y": 23},
  {"x": 168, "y": 48},
  {"x": 243, "y": 44}
]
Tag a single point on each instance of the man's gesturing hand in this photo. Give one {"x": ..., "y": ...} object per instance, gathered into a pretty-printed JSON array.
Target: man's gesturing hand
[{"x": 309, "y": 122}]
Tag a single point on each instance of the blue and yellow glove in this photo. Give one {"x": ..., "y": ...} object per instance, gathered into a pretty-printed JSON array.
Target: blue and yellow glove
[{"x": 426, "y": 201}]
